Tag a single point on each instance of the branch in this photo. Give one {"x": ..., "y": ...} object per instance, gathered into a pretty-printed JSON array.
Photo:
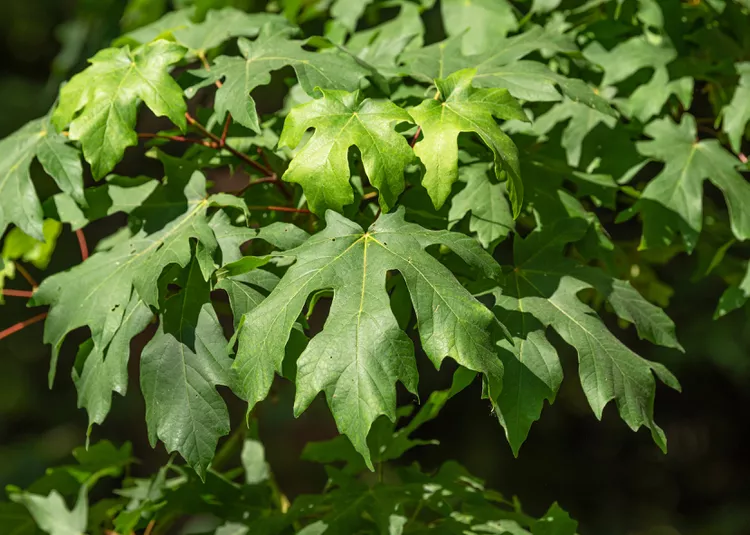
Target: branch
[
  {"x": 17, "y": 293},
  {"x": 219, "y": 144},
  {"x": 280, "y": 209},
  {"x": 25, "y": 274},
  {"x": 223, "y": 140},
  {"x": 181, "y": 139},
  {"x": 20, "y": 325},
  {"x": 82, "y": 244},
  {"x": 416, "y": 135}
]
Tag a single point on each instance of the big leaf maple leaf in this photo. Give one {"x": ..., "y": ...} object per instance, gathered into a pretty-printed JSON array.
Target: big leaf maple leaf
[
  {"x": 272, "y": 51},
  {"x": 19, "y": 203},
  {"x": 361, "y": 352},
  {"x": 100, "y": 103},
  {"x": 541, "y": 291},
  {"x": 463, "y": 108},
  {"x": 341, "y": 120}
]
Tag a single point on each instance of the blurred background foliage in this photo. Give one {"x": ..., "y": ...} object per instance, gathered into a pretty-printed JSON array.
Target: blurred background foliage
[{"x": 613, "y": 481}]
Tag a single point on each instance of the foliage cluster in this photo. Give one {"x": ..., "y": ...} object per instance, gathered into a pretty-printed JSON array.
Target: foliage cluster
[{"x": 452, "y": 196}]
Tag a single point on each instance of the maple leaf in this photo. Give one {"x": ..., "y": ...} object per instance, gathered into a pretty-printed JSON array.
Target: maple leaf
[
  {"x": 673, "y": 201},
  {"x": 541, "y": 291},
  {"x": 502, "y": 67},
  {"x": 734, "y": 297},
  {"x": 480, "y": 23},
  {"x": 491, "y": 218},
  {"x": 100, "y": 103},
  {"x": 348, "y": 12},
  {"x": 649, "y": 99},
  {"x": 180, "y": 369},
  {"x": 272, "y": 51},
  {"x": 19, "y": 203},
  {"x": 361, "y": 352},
  {"x": 96, "y": 293},
  {"x": 381, "y": 46},
  {"x": 463, "y": 108},
  {"x": 342, "y": 120},
  {"x": 737, "y": 113},
  {"x": 627, "y": 58}
]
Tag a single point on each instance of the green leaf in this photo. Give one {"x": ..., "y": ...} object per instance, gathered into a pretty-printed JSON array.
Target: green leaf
[
  {"x": 555, "y": 522},
  {"x": 542, "y": 290},
  {"x": 737, "y": 114},
  {"x": 254, "y": 462},
  {"x": 361, "y": 352},
  {"x": 627, "y": 58},
  {"x": 673, "y": 201},
  {"x": 272, "y": 51},
  {"x": 734, "y": 297},
  {"x": 51, "y": 513},
  {"x": 180, "y": 369},
  {"x": 463, "y": 108},
  {"x": 19, "y": 203},
  {"x": 105, "y": 370},
  {"x": 491, "y": 218},
  {"x": 348, "y": 12},
  {"x": 482, "y": 23},
  {"x": 648, "y": 99},
  {"x": 96, "y": 293},
  {"x": 223, "y": 25},
  {"x": 100, "y": 104},
  {"x": 382, "y": 45},
  {"x": 16, "y": 520},
  {"x": 342, "y": 120}
]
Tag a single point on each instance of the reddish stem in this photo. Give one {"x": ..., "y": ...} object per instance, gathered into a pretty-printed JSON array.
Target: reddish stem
[
  {"x": 25, "y": 274},
  {"x": 20, "y": 325},
  {"x": 279, "y": 184},
  {"x": 150, "y": 527},
  {"x": 244, "y": 157},
  {"x": 280, "y": 209},
  {"x": 223, "y": 139},
  {"x": 181, "y": 139},
  {"x": 82, "y": 244},
  {"x": 416, "y": 135},
  {"x": 17, "y": 293}
]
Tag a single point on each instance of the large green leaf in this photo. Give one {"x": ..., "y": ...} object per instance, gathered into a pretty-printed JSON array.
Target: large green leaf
[
  {"x": 272, "y": 51},
  {"x": 673, "y": 201},
  {"x": 542, "y": 291},
  {"x": 180, "y": 369},
  {"x": 361, "y": 352},
  {"x": 627, "y": 58},
  {"x": 100, "y": 104},
  {"x": 51, "y": 513},
  {"x": 342, "y": 120},
  {"x": 463, "y": 108},
  {"x": 19, "y": 203}
]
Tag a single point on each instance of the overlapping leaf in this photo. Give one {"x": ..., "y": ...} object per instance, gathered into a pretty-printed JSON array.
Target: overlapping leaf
[
  {"x": 274, "y": 50},
  {"x": 19, "y": 203},
  {"x": 96, "y": 293},
  {"x": 542, "y": 291},
  {"x": 342, "y": 120},
  {"x": 361, "y": 352},
  {"x": 673, "y": 201},
  {"x": 463, "y": 108},
  {"x": 180, "y": 369},
  {"x": 480, "y": 23},
  {"x": 100, "y": 103},
  {"x": 737, "y": 113}
]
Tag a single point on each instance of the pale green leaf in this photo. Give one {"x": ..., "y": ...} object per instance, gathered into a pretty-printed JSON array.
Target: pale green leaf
[
  {"x": 51, "y": 513},
  {"x": 737, "y": 114},
  {"x": 342, "y": 120},
  {"x": 463, "y": 108},
  {"x": 482, "y": 23}
]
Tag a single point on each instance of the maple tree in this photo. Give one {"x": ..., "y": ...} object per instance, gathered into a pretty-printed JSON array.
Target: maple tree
[{"x": 451, "y": 199}]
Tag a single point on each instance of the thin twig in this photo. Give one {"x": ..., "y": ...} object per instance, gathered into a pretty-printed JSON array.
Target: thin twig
[
  {"x": 20, "y": 325},
  {"x": 207, "y": 66},
  {"x": 279, "y": 184},
  {"x": 223, "y": 139},
  {"x": 244, "y": 157},
  {"x": 150, "y": 527},
  {"x": 416, "y": 135},
  {"x": 280, "y": 209},
  {"x": 25, "y": 274},
  {"x": 181, "y": 139},
  {"x": 17, "y": 293},
  {"x": 82, "y": 244}
]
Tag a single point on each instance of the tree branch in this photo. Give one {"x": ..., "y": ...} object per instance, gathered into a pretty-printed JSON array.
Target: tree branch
[
  {"x": 280, "y": 209},
  {"x": 20, "y": 325},
  {"x": 17, "y": 293},
  {"x": 82, "y": 244}
]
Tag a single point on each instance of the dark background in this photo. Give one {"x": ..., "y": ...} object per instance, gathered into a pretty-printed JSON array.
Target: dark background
[{"x": 612, "y": 480}]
